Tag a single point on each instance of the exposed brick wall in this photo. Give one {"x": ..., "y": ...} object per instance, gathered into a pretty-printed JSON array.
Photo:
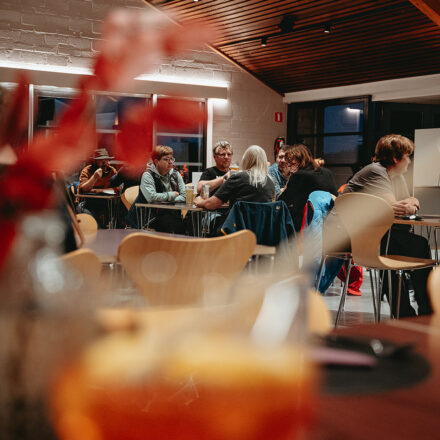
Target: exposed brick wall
[{"x": 66, "y": 33}]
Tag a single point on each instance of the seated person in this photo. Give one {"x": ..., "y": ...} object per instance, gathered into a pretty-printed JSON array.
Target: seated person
[
  {"x": 306, "y": 177},
  {"x": 216, "y": 175},
  {"x": 384, "y": 178},
  {"x": 252, "y": 184},
  {"x": 161, "y": 183},
  {"x": 93, "y": 179},
  {"x": 279, "y": 171}
]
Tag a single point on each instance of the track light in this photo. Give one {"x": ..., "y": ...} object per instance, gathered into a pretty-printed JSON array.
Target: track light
[
  {"x": 327, "y": 28},
  {"x": 264, "y": 41},
  {"x": 286, "y": 24}
]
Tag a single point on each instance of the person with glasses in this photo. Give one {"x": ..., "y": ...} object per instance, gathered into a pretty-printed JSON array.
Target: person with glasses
[
  {"x": 161, "y": 183},
  {"x": 216, "y": 175}
]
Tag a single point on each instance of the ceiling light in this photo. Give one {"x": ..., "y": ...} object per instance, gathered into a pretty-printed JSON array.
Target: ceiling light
[
  {"x": 286, "y": 24},
  {"x": 264, "y": 41},
  {"x": 327, "y": 28}
]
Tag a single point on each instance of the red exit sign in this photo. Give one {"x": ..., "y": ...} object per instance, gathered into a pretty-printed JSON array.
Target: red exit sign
[{"x": 278, "y": 117}]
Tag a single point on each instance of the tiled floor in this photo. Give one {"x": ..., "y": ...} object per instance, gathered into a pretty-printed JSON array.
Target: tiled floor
[{"x": 358, "y": 309}]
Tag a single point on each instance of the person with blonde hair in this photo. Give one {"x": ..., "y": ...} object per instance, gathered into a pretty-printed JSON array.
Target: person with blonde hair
[{"x": 251, "y": 184}]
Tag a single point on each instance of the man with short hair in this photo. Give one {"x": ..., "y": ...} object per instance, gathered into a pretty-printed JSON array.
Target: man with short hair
[
  {"x": 216, "y": 175},
  {"x": 279, "y": 171},
  {"x": 384, "y": 178},
  {"x": 95, "y": 178},
  {"x": 161, "y": 183}
]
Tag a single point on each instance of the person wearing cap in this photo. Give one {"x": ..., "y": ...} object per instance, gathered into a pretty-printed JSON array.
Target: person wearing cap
[
  {"x": 94, "y": 178},
  {"x": 216, "y": 175}
]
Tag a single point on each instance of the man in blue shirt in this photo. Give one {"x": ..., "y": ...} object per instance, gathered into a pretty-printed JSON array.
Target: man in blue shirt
[{"x": 279, "y": 171}]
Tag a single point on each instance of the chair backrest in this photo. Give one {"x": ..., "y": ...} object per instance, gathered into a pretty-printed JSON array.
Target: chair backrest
[
  {"x": 87, "y": 225},
  {"x": 271, "y": 222},
  {"x": 434, "y": 289},
  {"x": 129, "y": 196},
  {"x": 171, "y": 270},
  {"x": 366, "y": 218},
  {"x": 86, "y": 264}
]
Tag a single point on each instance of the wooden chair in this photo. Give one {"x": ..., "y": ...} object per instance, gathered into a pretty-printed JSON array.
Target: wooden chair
[
  {"x": 176, "y": 271},
  {"x": 434, "y": 289},
  {"x": 84, "y": 263},
  {"x": 367, "y": 218},
  {"x": 129, "y": 196},
  {"x": 87, "y": 225}
]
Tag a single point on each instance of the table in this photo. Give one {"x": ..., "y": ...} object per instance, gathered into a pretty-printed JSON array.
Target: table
[
  {"x": 200, "y": 226},
  {"x": 426, "y": 223},
  {"x": 113, "y": 201},
  {"x": 405, "y": 413}
]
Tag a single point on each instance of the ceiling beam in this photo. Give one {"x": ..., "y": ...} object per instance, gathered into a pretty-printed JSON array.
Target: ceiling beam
[{"x": 431, "y": 8}]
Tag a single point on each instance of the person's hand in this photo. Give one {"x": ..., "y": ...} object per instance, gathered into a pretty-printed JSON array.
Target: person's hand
[
  {"x": 413, "y": 201},
  {"x": 197, "y": 201},
  {"x": 98, "y": 173},
  {"x": 404, "y": 208}
]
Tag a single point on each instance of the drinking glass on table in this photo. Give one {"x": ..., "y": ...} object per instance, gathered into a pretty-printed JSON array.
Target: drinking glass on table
[{"x": 234, "y": 371}]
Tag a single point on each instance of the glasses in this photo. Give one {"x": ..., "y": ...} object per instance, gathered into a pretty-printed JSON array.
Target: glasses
[
  {"x": 169, "y": 159},
  {"x": 224, "y": 155}
]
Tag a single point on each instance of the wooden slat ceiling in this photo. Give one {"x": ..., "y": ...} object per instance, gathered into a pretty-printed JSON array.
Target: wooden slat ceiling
[{"x": 370, "y": 40}]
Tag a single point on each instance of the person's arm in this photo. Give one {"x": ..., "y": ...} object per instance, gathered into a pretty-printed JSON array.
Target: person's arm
[
  {"x": 181, "y": 197},
  {"x": 148, "y": 189},
  {"x": 407, "y": 206},
  {"x": 213, "y": 184},
  {"x": 211, "y": 203},
  {"x": 85, "y": 183}
]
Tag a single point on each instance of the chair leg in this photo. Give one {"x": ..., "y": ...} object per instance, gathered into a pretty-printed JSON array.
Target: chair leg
[
  {"x": 344, "y": 291},
  {"x": 321, "y": 269},
  {"x": 399, "y": 293},
  {"x": 390, "y": 294}
]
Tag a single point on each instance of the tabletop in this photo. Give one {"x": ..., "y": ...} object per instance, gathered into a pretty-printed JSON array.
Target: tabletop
[
  {"x": 407, "y": 412},
  {"x": 429, "y": 221},
  {"x": 181, "y": 206},
  {"x": 98, "y": 196}
]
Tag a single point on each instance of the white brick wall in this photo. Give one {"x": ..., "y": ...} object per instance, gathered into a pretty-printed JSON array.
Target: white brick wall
[{"x": 66, "y": 33}]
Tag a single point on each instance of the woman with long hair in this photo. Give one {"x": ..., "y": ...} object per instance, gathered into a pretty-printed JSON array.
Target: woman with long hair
[
  {"x": 306, "y": 176},
  {"x": 251, "y": 184}
]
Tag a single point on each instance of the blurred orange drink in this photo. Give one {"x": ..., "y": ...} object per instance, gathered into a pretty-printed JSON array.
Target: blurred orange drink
[{"x": 205, "y": 387}]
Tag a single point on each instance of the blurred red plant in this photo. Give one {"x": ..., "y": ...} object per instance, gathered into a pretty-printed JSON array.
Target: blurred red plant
[{"x": 133, "y": 42}]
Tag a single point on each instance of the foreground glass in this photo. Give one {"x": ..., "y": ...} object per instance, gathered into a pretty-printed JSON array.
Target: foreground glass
[{"x": 229, "y": 372}]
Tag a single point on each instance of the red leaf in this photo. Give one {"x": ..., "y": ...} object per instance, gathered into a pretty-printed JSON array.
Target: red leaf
[
  {"x": 7, "y": 235},
  {"x": 26, "y": 186},
  {"x": 134, "y": 141}
]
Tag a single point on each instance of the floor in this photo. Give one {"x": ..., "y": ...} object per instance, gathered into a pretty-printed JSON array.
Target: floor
[{"x": 358, "y": 309}]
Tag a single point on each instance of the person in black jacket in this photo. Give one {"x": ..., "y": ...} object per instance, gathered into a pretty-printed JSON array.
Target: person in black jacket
[{"x": 306, "y": 177}]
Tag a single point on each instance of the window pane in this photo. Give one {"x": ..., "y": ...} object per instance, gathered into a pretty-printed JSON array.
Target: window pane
[
  {"x": 110, "y": 110},
  {"x": 344, "y": 118},
  {"x": 50, "y": 109},
  {"x": 342, "y": 149},
  {"x": 186, "y": 149}
]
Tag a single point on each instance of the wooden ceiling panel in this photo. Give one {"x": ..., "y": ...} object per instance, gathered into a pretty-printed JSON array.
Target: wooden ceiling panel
[{"x": 370, "y": 40}]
